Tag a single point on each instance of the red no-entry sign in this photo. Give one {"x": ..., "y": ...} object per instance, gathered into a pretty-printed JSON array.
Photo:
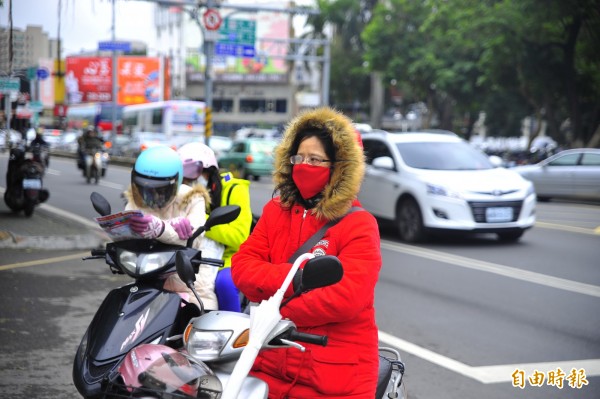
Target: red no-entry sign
[{"x": 212, "y": 19}]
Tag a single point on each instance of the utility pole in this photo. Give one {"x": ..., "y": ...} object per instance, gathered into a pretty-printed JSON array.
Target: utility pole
[{"x": 113, "y": 133}]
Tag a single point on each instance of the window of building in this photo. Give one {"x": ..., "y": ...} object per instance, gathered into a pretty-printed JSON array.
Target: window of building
[
  {"x": 250, "y": 105},
  {"x": 223, "y": 105}
]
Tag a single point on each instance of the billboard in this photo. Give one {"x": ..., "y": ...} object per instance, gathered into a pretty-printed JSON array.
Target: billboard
[
  {"x": 139, "y": 80},
  {"x": 265, "y": 63},
  {"x": 88, "y": 79}
]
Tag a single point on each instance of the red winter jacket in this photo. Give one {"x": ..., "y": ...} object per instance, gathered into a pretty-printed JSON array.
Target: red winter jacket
[{"x": 347, "y": 367}]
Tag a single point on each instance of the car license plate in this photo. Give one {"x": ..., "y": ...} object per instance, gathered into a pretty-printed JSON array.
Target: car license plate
[
  {"x": 497, "y": 215},
  {"x": 32, "y": 184}
]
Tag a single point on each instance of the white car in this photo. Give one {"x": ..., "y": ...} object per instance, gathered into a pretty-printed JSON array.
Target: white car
[{"x": 428, "y": 182}]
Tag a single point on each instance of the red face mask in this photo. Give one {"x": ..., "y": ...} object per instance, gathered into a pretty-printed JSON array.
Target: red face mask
[{"x": 310, "y": 179}]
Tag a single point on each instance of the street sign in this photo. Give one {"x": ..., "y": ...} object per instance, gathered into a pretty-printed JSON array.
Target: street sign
[
  {"x": 235, "y": 50},
  {"x": 10, "y": 85},
  {"x": 116, "y": 46},
  {"x": 212, "y": 19},
  {"x": 43, "y": 73},
  {"x": 237, "y": 38}
]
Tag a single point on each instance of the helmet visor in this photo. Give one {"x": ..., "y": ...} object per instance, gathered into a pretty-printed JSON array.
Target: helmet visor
[
  {"x": 155, "y": 192},
  {"x": 192, "y": 169}
]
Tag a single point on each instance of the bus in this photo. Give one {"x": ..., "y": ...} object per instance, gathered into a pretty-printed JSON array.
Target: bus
[
  {"x": 80, "y": 116},
  {"x": 173, "y": 117}
]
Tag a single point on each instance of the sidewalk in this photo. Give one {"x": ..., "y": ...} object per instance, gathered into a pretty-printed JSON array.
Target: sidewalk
[{"x": 45, "y": 230}]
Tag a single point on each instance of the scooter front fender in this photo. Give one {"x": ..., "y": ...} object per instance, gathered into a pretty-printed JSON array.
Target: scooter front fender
[{"x": 128, "y": 316}]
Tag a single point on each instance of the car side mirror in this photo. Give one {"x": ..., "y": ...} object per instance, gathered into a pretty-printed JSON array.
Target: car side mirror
[{"x": 383, "y": 163}]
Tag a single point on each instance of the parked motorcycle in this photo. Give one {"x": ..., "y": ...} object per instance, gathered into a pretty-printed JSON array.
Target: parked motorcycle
[
  {"x": 94, "y": 165},
  {"x": 24, "y": 178},
  {"x": 228, "y": 343},
  {"x": 142, "y": 311}
]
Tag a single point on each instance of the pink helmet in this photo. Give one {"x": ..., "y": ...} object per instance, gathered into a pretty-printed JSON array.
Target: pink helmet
[
  {"x": 196, "y": 156},
  {"x": 148, "y": 366}
]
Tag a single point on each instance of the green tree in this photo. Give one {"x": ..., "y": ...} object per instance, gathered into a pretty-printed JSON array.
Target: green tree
[
  {"x": 350, "y": 79},
  {"x": 509, "y": 58}
]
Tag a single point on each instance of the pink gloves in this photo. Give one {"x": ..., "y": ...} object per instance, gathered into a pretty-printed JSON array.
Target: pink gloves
[
  {"x": 182, "y": 226},
  {"x": 147, "y": 226}
]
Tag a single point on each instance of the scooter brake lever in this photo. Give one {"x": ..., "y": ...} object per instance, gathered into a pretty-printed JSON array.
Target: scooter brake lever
[{"x": 294, "y": 344}]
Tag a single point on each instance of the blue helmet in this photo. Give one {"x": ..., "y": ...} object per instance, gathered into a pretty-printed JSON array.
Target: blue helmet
[{"x": 156, "y": 176}]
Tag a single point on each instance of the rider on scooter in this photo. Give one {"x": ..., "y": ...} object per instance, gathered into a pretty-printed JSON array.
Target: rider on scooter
[
  {"x": 319, "y": 166},
  {"x": 172, "y": 212},
  {"x": 200, "y": 167}
]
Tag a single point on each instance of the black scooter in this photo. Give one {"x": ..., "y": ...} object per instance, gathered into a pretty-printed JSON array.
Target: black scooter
[
  {"x": 24, "y": 178},
  {"x": 139, "y": 312}
]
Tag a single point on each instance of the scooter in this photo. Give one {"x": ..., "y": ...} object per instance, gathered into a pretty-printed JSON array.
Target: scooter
[
  {"x": 142, "y": 311},
  {"x": 24, "y": 179},
  {"x": 94, "y": 165},
  {"x": 229, "y": 342}
]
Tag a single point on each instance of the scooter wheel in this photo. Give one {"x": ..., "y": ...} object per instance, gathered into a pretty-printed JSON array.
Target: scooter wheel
[{"x": 28, "y": 209}]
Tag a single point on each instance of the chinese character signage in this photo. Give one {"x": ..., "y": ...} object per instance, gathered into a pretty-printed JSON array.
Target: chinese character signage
[
  {"x": 139, "y": 80},
  {"x": 88, "y": 79}
]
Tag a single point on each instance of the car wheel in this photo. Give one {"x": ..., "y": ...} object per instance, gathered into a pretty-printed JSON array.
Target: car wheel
[
  {"x": 410, "y": 221},
  {"x": 542, "y": 198},
  {"x": 510, "y": 236}
]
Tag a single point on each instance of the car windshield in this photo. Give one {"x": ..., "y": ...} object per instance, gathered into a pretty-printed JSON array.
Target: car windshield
[{"x": 443, "y": 156}]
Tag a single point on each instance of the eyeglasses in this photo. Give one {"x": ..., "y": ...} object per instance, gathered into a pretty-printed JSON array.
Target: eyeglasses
[{"x": 311, "y": 160}]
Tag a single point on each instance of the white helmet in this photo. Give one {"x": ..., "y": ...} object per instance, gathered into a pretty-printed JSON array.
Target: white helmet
[{"x": 195, "y": 157}]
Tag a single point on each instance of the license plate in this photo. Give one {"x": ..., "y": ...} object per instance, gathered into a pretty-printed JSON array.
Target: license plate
[
  {"x": 30, "y": 184},
  {"x": 497, "y": 215}
]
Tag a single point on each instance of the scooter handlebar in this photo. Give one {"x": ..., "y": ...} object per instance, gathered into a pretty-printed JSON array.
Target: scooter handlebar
[{"x": 296, "y": 335}]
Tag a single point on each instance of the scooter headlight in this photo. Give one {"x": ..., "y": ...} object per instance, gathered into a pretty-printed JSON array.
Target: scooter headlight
[
  {"x": 140, "y": 264},
  {"x": 206, "y": 345}
]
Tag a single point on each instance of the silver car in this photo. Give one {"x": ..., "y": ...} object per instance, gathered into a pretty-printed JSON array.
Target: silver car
[{"x": 570, "y": 174}]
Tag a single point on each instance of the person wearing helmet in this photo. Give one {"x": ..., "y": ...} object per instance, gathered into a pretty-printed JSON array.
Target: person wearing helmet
[
  {"x": 319, "y": 167},
  {"x": 172, "y": 211},
  {"x": 200, "y": 167}
]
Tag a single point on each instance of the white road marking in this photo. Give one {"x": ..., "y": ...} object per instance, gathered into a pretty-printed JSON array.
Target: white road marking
[
  {"x": 108, "y": 184},
  {"x": 490, "y": 374},
  {"x": 54, "y": 172},
  {"x": 506, "y": 271},
  {"x": 571, "y": 229}
]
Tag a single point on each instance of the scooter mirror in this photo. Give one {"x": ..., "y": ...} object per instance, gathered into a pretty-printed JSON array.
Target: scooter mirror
[
  {"x": 321, "y": 271},
  {"x": 184, "y": 267},
  {"x": 100, "y": 204},
  {"x": 221, "y": 215}
]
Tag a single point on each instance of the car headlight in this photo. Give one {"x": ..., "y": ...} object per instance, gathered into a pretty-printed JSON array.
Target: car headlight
[
  {"x": 140, "y": 264},
  {"x": 530, "y": 190},
  {"x": 206, "y": 345},
  {"x": 433, "y": 189}
]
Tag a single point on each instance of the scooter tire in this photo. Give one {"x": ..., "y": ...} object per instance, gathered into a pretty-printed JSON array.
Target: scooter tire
[
  {"x": 28, "y": 209},
  {"x": 96, "y": 176}
]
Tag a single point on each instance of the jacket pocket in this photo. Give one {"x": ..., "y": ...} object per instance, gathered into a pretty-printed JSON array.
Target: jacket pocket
[{"x": 331, "y": 371}]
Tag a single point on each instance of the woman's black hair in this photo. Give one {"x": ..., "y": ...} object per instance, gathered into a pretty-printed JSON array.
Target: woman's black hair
[
  {"x": 287, "y": 190},
  {"x": 214, "y": 187}
]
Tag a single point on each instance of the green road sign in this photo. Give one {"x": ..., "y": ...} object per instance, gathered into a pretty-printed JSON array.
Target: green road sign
[
  {"x": 237, "y": 31},
  {"x": 9, "y": 85}
]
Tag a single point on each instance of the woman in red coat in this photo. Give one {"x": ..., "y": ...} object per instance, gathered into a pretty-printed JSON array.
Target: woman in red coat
[{"x": 319, "y": 167}]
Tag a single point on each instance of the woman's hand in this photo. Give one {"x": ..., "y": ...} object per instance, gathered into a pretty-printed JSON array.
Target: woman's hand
[
  {"x": 147, "y": 226},
  {"x": 182, "y": 227}
]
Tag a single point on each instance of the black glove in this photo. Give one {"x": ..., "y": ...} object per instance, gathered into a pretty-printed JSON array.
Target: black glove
[{"x": 297, "y": 280}]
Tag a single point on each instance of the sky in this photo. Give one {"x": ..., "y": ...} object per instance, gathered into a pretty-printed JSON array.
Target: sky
[{"x": 86, "y": 22}]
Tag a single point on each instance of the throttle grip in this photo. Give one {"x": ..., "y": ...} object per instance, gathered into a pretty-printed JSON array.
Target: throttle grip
[{"x": 308, "y": 338}]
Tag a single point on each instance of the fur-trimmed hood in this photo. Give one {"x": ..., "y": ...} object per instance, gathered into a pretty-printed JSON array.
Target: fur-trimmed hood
[{"x": 348, "y": 170}]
